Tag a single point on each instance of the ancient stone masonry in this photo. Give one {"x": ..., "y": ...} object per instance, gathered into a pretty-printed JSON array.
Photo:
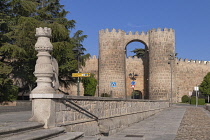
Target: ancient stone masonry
[
  {"x": 189, "y": 74},
  {"x": 112, "y": 114},
  {"x": 112, "y": 46},
  {"x": 161, "y": 45},
  {"x": 112, "y": 63},
  {"x": 156, "y": 74}
]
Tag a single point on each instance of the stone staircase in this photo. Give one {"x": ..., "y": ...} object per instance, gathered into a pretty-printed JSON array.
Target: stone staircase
[{"x": 35, "y": 131}]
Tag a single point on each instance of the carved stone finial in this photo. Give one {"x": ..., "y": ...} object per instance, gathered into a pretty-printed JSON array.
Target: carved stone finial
[
  {"x": 45, "y": 32},
  {"x": 43, "y": 43}
]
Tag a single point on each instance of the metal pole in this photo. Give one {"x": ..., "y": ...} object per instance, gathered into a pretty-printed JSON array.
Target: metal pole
[
  {"x": 171, "y": 81},
  {"x": 133, "y": 93},
  {"x": 196, "y": 97},
  {"x": 78, "y": 92}
]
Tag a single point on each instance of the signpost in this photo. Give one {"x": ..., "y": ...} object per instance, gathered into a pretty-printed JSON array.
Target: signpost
[
  {"x": 80, "y": 74},
  {"x": 196, "y": 88},
  {"x": 133, "y": 83}
]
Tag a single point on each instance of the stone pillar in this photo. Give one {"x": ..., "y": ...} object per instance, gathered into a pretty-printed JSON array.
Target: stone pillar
[
  {"x": 112, "y": 63},
  {"x": 43, "y": 96},
  {"x": 162, "y": 45}
]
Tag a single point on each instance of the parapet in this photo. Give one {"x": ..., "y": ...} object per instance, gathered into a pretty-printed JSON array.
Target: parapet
[
  {"x": 114, "y": 32},
  {"x": 162, "y": 30},
  {"x": 186, "y": 61}
]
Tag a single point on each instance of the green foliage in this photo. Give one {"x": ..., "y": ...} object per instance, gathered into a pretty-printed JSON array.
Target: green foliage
[
  {"x": 185, "y": 99},
  {"x": 201, "y": 101},
  {"x": 205, "y": 85},
  {"x": 8, "y": 92},
  {"x": 105, "y": 95},
  {"x": 139, "y": 52},
  {"x": 18, "y": 22},
  {"x": 89, "y": 84},
  {"x": 136, "y": 94}
]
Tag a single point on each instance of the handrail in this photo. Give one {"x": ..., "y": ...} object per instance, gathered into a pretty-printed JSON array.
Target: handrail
[{"x": 96, "y": 118}]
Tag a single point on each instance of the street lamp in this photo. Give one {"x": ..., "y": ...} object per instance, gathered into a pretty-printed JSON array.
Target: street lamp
[
  {"x": 133, "y": 76},
  {"x": 171, "y": 58},
  {"x": 79, "y": 52}
]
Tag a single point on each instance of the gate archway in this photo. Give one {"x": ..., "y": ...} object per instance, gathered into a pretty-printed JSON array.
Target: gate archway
[
  {"x": 112, "y": 61},
  {"x": 138, "y": 65}
]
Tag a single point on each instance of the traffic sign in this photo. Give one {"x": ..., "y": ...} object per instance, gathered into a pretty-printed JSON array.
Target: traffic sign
[
  {"x": 80, "y": 74},
  {"x": 132, "y": 86},
  {"x": 133, "y": 83},
  {"x": 113, "y": 84}
]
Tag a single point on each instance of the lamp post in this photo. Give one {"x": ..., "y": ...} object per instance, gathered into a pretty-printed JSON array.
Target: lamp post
[
  {"x": 171, "y": 58},
  {"x": 133, "y": 76},
  {"x": 79, "y": 52}
]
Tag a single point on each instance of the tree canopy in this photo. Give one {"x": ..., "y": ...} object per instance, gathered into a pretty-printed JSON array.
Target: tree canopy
[
  {"x": 205, "y": 85},
  {"x": 139, "y": 52},
  {"x": 18, "y": 22}
]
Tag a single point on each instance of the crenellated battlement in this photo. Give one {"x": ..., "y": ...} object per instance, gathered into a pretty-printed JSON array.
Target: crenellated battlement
[
  {"x": 93, "y": 57},
  {"x": 186, "y": 61},
  {"x": 122, "y": 32},
  {"x": 113, "y": 31},
  {"x": 170, "y": 30}
]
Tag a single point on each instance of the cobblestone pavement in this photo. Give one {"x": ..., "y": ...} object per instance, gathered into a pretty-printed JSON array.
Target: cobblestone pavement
[{"x": 195, "y": 125}]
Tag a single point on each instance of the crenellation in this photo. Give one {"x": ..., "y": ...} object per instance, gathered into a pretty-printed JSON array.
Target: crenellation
[
  {"x": 113, "y": 30},
  {"x": 106, "y": 30},
  {"x": 136, "y": 33},
  {"x": 143, "y": 33},
  {"x": 185, "y": 60}
]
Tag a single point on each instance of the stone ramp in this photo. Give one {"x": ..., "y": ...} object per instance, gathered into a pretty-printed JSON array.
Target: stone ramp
[{"x": 162, "y": 126}]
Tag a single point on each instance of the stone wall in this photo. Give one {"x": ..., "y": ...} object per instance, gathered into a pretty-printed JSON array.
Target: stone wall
[
  {"x": 154, "y": 79},
  {"x": 162, "y": 44},
  {"x": 134, "y": 65},
  {"x": 110, "y": 115},
  {"x": 188, "y": 75}
]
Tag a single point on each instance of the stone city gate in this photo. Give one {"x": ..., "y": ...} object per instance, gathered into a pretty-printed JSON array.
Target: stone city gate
[{"x": 160, "y": 44}]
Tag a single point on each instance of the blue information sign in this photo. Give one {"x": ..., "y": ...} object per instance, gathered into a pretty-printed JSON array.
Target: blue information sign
[
  {"x": 133, "y": 83},
  {"x": 113, "y": 84}
]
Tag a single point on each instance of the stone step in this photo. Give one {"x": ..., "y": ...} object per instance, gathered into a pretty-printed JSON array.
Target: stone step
[
  {"x": 69, "y": 136},
  {"x": 12, "y": 128},
  {"x": 90, "y": 138},
  {"x": 36, "y": 134},
  {"x": 121, "y": 138}
]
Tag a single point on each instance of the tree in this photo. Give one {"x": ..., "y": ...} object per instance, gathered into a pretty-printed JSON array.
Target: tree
[
  {"x": 139, "y": 52},
  {"x": 8, "y": 92},
  {"x": 18, "y": 44},
  {"x": 205, "y": 85},
  {"x": 89, "y": 84}
]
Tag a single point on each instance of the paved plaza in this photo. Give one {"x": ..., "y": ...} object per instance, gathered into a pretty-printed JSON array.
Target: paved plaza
[{"x": 177, "y": 122}]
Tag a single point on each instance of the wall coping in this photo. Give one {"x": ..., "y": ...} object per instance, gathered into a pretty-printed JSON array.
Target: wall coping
[{"x": 91, "y": 98}]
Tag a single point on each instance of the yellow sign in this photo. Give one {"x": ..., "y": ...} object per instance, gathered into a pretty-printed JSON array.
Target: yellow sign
[{"x": 80, "y": 74}]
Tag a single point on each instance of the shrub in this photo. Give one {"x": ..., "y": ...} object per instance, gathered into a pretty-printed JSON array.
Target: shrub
[
  {"x": 105, "y": 95},
  {"x": 201, "y": 101},
  {"x": 89, "y": 84},
  {"x": 185, "y": 99},
  {"x": 136, "y": 94}
]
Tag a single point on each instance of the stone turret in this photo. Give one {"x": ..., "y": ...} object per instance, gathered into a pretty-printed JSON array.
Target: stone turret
[{"x": 161, "y": 48}]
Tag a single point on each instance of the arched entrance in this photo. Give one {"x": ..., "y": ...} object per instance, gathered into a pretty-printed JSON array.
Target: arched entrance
[
  {"x": 137, "y": 68},
  {"x": 112, "y": 61}
]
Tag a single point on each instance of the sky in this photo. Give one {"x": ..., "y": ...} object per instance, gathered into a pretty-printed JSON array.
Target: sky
[{"x": 189, "y": 18}]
